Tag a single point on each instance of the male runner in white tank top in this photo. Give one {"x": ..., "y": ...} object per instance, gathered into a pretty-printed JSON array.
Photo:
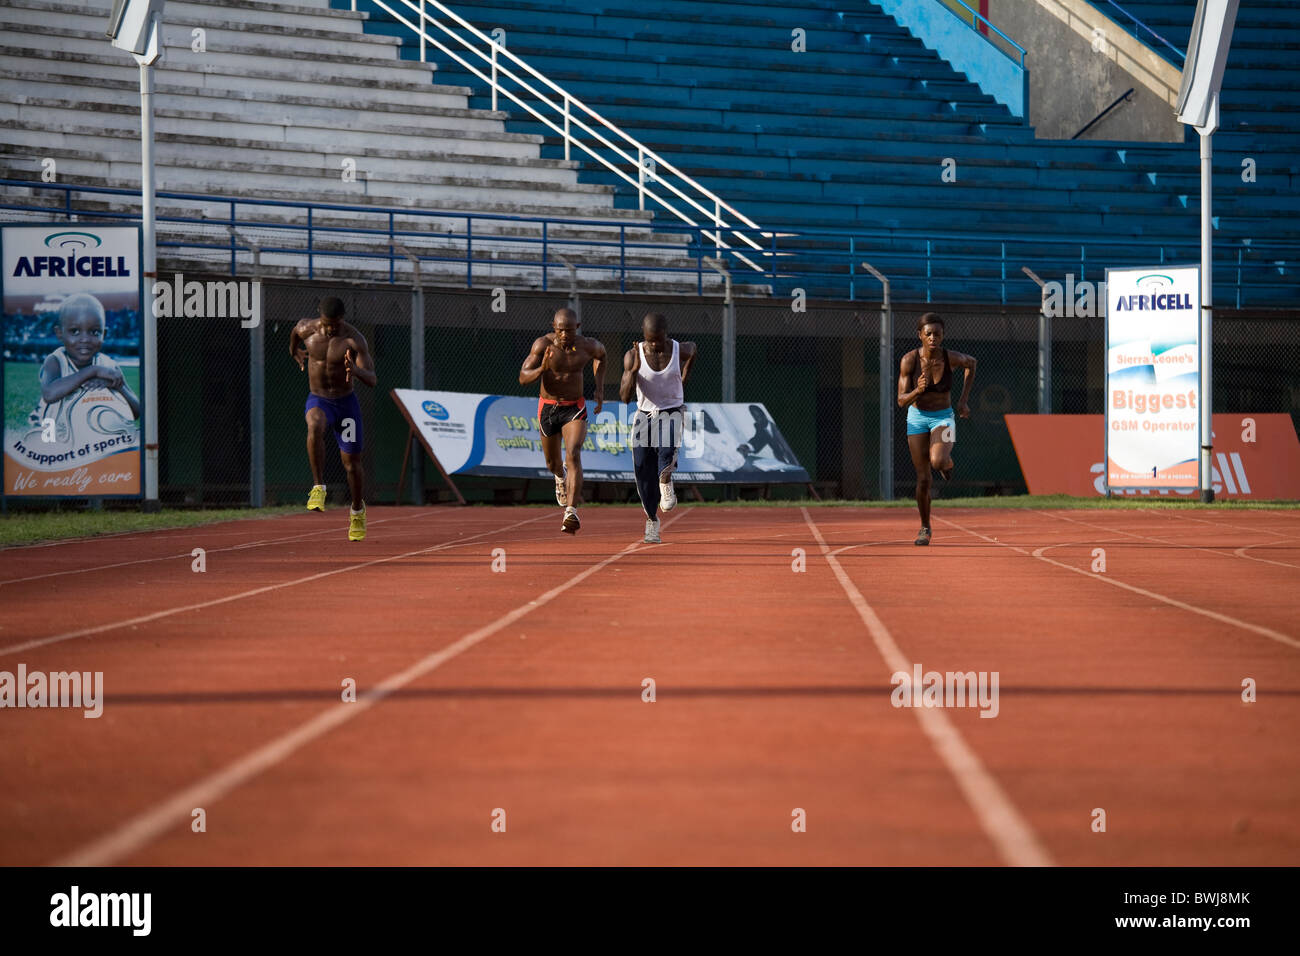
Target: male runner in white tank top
[{"x": 656, "y": 369}]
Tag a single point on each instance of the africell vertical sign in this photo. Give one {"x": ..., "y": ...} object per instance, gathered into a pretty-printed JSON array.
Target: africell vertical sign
[
  {"x": 1153, "y": 377},
  {"x": 71, "y": 296}
]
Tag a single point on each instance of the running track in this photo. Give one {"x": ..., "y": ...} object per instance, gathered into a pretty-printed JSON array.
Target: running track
[{"x": 522, "y": 690}]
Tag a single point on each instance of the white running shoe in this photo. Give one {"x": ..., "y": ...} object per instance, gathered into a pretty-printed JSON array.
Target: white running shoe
[
  {"x": 571, "y": 523},
  {"x": 561, "y": 493},
  {"x": 652, "y": 531},
  {"x": 667, "y": 496}
]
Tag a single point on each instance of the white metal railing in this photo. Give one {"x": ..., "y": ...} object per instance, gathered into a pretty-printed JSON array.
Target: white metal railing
[{"x": 570, "y": 113}]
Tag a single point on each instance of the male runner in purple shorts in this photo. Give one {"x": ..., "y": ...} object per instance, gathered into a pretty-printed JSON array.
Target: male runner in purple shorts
[{"x": 333, "y": 353}]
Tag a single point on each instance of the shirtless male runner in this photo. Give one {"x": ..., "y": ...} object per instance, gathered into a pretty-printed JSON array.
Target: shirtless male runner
[
  {"x": 333, "y": 354},
  {"x": 557, "y": 360}
]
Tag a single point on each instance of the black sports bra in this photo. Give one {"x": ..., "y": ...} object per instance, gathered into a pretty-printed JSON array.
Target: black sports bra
[{"x": 944, "y": 385}]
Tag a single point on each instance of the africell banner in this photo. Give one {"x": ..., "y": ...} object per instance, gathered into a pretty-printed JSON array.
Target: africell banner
[
  {"x": 71, "y": 297},
  {"x": 498, "y": 435},
  {"x": 1153, "y": 377},
  {"x": 1255, "y": 456}
]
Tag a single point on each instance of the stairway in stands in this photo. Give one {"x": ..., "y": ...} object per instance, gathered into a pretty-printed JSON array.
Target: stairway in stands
[
  {"x": 852, "y": 134},
  {"x": 283, "y": 94}
]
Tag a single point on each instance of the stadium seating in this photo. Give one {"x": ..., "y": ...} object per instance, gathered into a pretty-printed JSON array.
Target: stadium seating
[
  {"x": 282, "y": 96},
  {"x": 843, "y": 144},
  {"x": 849, "y": 137}
]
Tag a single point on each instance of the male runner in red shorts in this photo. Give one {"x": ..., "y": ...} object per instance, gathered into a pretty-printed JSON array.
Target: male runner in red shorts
[
  {"x": 557, "y": 359},
  {"x": 333, "y": 354}
]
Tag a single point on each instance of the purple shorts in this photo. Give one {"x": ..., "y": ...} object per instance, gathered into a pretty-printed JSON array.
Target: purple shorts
[{"x": 343, "y": 416}]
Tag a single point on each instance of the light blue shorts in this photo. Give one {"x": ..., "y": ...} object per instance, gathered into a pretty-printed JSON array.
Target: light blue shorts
[{"x": 921, "y": 423}]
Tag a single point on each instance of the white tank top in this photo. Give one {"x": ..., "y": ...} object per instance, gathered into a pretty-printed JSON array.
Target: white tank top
[{"x": 657, "y": 391}]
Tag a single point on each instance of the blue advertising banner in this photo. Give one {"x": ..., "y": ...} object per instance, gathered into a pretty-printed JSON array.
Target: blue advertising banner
[{"x": 498, "y": 435}]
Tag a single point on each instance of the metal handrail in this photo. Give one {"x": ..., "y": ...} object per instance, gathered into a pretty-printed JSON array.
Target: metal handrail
[
  {"x": 977, "y": 17},
  {"x": 833, "y": 256},
  {"x": 1181, "y": 54},
  {"x": 1126, "y": 97},
  {"x": 566, "y": 121}
]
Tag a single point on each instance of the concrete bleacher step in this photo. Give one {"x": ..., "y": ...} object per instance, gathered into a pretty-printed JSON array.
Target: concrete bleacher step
[
  {"x": 223, "y": 35},
  {"x": 305, "y": 14},
  {"x": 344, "y": 110},
  {"x": 323, "y": 61},
  {"x": 302, "y": 79},
  {"x": 388, "y": 164},
  {"x": 193, "y": 175},
  {"x": 283, "y": 92},
  {"x": 306, "y": 130}
]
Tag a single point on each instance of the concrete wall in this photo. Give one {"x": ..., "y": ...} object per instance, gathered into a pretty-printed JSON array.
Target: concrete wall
[{"x": 1070, "y": 82}]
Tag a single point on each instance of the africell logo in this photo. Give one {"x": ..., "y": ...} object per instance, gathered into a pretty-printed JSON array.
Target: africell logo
[
  {"x": 1152, "y": 298},
  {"x": 68, "y": 263}
]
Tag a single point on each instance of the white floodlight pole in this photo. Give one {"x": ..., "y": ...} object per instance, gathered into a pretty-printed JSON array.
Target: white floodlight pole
[
  {"x": 1207, "y": 298},
  {"x": 146, "y": 62},
  {"x": 1198, "y": 106},
  {"x": 136, "y": 26}
]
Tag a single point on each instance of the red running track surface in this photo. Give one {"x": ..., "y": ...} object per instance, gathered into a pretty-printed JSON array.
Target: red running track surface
[{"x": 522, "y": 691}]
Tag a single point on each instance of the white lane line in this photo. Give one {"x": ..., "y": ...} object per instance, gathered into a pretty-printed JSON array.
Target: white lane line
[
  {"x": 868, "y": 544},
  {"x": 188, "y": 555},
  {"x": 1237, "y": 552},
  {"x": 1241, "y": 553},
  {"x": 1222, "y": 524},
  {"x": 1004, "y": 825},
  {"x": 1108, "y": 579},
  {"x": 158, "y": 615},
  {"x": 143, "y": 829}
]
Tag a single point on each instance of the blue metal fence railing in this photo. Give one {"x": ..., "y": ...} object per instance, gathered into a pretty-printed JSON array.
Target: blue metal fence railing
[
  {"x": 1177, "y": 52},
  {"x": 922, "y": 266},
  {"x": 1016, "y": 51}
]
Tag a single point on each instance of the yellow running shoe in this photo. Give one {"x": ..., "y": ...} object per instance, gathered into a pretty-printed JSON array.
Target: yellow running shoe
[
  {"x": 316, "y": 499},
  {"x": 357, "y": 526}
]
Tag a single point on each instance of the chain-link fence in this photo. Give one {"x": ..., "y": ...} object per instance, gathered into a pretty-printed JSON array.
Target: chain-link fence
[{"x": 817, "y": 371}]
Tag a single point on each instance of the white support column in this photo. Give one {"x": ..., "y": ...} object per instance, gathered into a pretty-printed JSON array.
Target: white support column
[
  {"x": 1207, "y": 298},
  {"x": 149, "y": 240}
]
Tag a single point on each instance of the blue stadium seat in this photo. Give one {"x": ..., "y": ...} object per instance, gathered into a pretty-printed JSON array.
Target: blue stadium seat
[{"x": 851, "y": 134}]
